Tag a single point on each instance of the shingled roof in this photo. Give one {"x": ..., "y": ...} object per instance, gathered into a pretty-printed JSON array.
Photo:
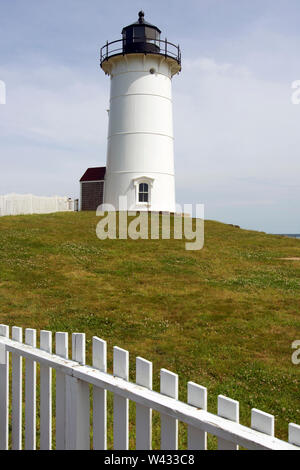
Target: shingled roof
[{"x": 94, "y": 174}]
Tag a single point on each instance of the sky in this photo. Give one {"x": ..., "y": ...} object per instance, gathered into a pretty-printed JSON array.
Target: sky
[{"x": 237, "y": 133}]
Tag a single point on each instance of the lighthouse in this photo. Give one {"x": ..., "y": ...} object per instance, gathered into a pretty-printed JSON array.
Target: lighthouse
[{"x": 140, "y": 141}]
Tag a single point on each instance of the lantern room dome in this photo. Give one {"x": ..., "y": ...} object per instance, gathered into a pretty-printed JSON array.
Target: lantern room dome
[
  {"x": 141, "y": 21},
  {"x": 141, "y": 36}
]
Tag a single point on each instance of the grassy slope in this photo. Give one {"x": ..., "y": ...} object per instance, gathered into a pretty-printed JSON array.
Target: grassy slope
[{"x": 224, "y": 317}]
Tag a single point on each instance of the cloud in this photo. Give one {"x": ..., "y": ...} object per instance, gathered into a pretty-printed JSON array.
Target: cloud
[
  {"x": 55, "y": 105},
  {"x": 232, "y": 131},
  {"x": 52, "y": 127}
]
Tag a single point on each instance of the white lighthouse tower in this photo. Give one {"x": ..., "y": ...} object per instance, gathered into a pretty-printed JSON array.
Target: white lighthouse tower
[{"x": 140, "y": 147}]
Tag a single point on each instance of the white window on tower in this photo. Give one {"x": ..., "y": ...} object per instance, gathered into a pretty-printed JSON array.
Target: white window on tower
[
  {"x": 143, "y": 187},
  {"x": 144, "y": 192}
]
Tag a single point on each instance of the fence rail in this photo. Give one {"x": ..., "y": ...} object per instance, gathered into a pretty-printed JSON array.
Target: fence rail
[{"x": 73, "y": 378}]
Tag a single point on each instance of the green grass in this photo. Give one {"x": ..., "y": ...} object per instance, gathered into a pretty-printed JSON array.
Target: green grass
[{"x": 224, "y": 316}]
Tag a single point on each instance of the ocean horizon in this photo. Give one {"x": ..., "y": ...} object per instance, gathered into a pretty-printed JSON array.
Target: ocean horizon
[{"x": 291, "y": 235}]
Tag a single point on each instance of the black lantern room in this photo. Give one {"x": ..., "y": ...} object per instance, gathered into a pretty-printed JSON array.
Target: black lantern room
[{"x": 141, "y": 37}]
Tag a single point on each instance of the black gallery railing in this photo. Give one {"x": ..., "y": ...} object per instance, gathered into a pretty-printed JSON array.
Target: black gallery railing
[{"x": 163, "y": 47}]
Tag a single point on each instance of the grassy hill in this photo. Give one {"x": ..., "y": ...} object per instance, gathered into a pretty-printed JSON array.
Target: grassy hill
[{"x": 224, "y": 317}]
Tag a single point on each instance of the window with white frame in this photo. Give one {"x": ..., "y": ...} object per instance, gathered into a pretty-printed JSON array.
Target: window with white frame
[
  {"x": 143, "y": 188},
  {"x": 143, "y": 192}
]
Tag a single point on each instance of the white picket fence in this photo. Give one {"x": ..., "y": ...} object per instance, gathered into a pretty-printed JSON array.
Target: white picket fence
[
  {"x": 19, "y": 204},
  {"x": 73, "y": 405}
]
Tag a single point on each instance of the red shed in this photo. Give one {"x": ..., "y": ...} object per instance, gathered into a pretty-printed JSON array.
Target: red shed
[{"x": 92, "y": 188}]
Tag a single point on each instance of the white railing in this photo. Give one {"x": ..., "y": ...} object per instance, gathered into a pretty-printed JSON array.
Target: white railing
[
  {"x": 73, "y": 406},
  {"x": 19, "y": 204}
]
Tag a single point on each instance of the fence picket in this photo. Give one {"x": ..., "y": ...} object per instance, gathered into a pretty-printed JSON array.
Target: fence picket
[
  {"x": 169, "y": 426},
  {"x": 45, "y": 394},
  {"x": 4, "y": 390},
  {"x": 143, "y": 414},
  {"x": 16, "y": 385},
  {"x": 30, "y": 394},
  {"x": 197, "y": 396},
  {"x": 121, "y": 369},
  {"x": 61, "y": 349},
  {"x": 294, "y": 434},
  {"x": 99, "y": 397},
  {"x": 229, "y": 409},
  {"x": 71, "y": 413},
  {"x": 263, "y": 422},
  {"x": 78, "y": 401}
]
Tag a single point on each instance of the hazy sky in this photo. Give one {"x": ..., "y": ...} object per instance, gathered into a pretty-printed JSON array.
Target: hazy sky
[{"x": 237, "y": 134}]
